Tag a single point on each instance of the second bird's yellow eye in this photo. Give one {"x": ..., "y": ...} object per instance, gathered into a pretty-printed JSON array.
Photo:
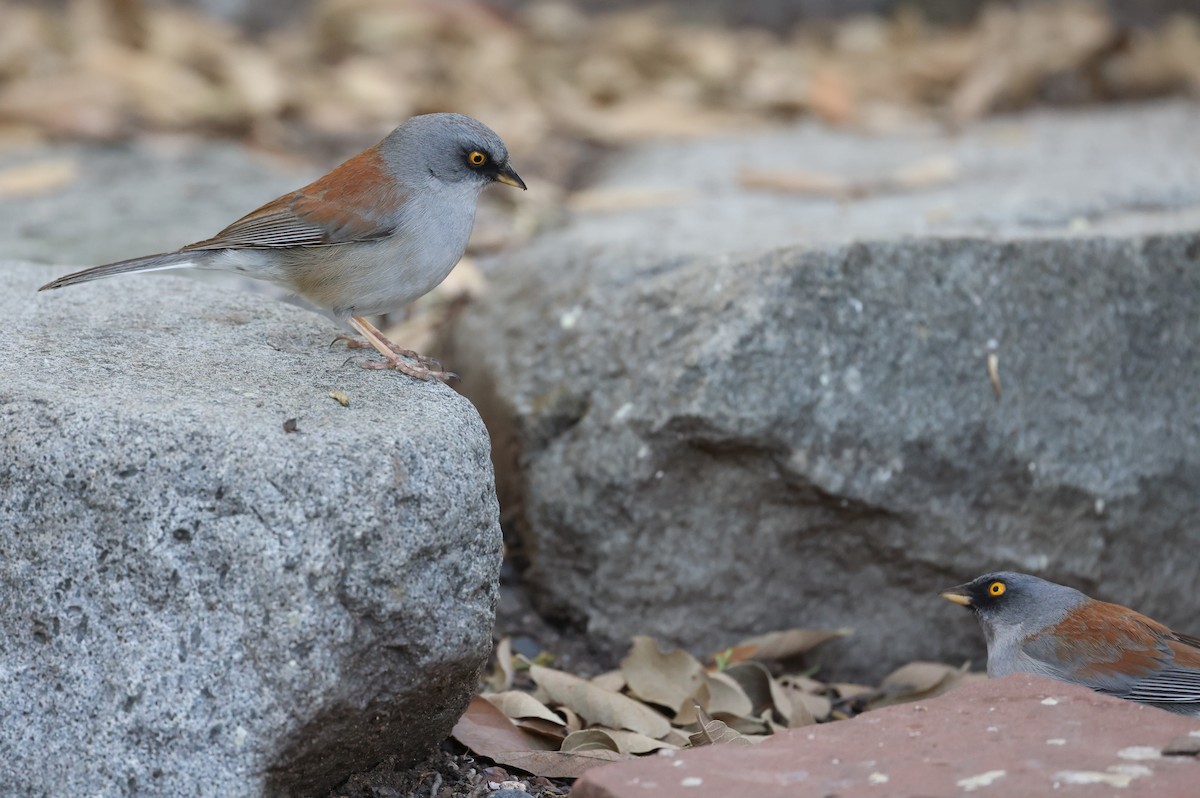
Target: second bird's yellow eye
[
  {"x": 477, "y": 158},
  {"x": 996, "y": 589}
]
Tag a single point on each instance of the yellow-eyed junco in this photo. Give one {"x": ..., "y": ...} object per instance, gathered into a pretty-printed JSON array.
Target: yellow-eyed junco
[
  {"x": 1035, "y": 626},
  {"x": 377, "y": 232}
]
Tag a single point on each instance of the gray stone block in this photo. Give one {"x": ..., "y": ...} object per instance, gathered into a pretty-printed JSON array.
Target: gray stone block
[
  {"x": 195, "y": 601},
  {"x": 703, "y": 433}
]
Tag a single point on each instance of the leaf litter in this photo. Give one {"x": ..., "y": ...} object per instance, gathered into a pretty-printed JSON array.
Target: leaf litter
[{"x": 555, "y": 724}]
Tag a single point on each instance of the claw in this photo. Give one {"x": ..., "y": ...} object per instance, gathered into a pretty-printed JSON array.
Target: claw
[
  {"x": 425, "y": 368},
  {"x": 419, "y": 372}
]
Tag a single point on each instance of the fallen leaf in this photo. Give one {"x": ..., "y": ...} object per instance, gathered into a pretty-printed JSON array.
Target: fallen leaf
[
  {"x": 488, "y": 731},
  {"x": 546, "y": 728},
  {"x": 597, "y": 705},
  {"x": 748, "y": 724},
  {"x": 809, "y": 694},
  {"x": 761, "y": 688},
  {"x": 726, "y": 695},
  {"x": 574, "y": 722},
  {"x": 516, "y": 704},
  {"x": 920, "y": 680},
  {"x": 783, "y": 645},
  {"x": 714, "y": 732},
  {"x": 340, "y": 397},
  {"x": 633, "y": 743},
  {"x": 589, "y": 740},
  {"x": 610, "y": 680},
  {"x": 667, "y": 679},
  {"x": 501, "y": 677}
]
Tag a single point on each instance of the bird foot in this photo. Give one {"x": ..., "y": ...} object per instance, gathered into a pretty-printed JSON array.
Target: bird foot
[
  {"x": 421, "y": 371},
  {"x": 431, "y": 364}
]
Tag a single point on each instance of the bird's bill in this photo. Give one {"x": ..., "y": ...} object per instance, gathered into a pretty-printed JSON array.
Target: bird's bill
[
  {"x": 958, "y": 595},
  {"x": 510, "y": 178}
]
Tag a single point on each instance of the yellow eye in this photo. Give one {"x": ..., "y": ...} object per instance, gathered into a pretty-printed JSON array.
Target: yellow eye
[
  {"x": 477, "y": 158},
  {"x": 996, "y": 589}
]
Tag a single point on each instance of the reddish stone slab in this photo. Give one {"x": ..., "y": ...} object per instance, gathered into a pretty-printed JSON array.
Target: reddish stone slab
[{"x": 1021, "y": 736}]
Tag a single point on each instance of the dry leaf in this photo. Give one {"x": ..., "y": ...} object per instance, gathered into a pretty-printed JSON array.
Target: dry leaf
[
  {"x": 726, "y": 695},
  {"x": 920, "y": 680},
  {"x": 574, "y": 722},
  {"x": 784, "y": 644},
  {"x": 808, "y": 708},
  {"x": 488, "y": 731},
  {"x": 761, "y": 688},
  {"x": 714, "y": 732},
  {"x": 597, "y": 705},
  {"x": 610, "y": 680},
  {"x": 516, "y": 704},
  {"x": 809, "y": 694},
  {"x": 589, "y": 740},
  {"x": 667, "y": 679},
  {"x": 851, "y": 690},
  {"x": 748, "y": 724},
  {"x": 633, "y": 743},
  {"x": 556, "y": 731},
  {"x": 340, "y": 397},
  {"x": 501, "y": 677}
]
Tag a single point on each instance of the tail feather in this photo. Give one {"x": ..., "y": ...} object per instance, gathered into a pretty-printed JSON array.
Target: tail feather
[{"x": 150, "y": 263}]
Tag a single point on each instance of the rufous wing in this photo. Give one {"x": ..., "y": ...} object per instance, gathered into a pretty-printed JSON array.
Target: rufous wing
[
  {"x": 357, "y": 201},
  {"x": 1116, "y": 650}
]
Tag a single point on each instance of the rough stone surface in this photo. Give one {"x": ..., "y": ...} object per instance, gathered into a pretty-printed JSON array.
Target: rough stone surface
[
  {"x": 195, "y": 601},
  {"x": 701, "y": 441},
  {"x": 1021, "y": 735}
]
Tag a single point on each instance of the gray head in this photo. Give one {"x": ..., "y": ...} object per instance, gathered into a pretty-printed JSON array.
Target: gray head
[
  {"x": 1007, "y": 601},
  {"x": 452, "y": 148}
]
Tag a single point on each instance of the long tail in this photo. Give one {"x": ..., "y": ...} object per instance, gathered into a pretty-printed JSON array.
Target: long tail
[{"x": 150, "y": 263}]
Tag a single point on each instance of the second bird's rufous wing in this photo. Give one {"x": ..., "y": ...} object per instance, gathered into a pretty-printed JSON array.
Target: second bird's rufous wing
[{"x": 1116, "y": 650}]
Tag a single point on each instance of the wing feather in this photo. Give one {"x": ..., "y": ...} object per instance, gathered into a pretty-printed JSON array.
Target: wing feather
[
  {"x": 1116, "y": 650},
  {"x": 357, "y": 201}
]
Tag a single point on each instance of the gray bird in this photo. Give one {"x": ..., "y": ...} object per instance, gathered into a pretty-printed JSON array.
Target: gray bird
[
  {"x": 377, "y": 232},
  {"x": 1035, "y": 626}
]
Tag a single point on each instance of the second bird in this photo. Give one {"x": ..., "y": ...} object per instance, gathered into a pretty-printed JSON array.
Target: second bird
[
  {"x": 1035, "y": 626},
  {"x": 377, "y": 232}
]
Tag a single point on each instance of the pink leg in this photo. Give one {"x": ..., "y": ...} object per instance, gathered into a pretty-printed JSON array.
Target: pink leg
[{"x": 393, "y": 353}]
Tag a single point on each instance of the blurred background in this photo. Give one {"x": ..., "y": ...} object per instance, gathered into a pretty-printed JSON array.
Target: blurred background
[{"x": 321, "y": 78}]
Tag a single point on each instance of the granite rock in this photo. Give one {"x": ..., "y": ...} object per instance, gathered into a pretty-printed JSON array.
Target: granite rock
[
  {"x": 196, "y": 600},
  {"x": 751, "y": 411}
]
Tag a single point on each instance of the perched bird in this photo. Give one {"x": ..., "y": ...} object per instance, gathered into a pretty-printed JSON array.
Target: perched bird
[
  {"x": 377, "y": 232},
  {"x": 1035, "y": 626}
]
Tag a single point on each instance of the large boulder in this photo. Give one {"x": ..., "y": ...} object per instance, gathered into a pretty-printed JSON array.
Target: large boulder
[
  {"x": 703, "y": 432},
  {"x": 216, "y": 579}
]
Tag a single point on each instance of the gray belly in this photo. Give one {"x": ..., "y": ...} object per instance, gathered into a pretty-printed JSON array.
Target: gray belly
[{"x": 381, "y": 276}]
